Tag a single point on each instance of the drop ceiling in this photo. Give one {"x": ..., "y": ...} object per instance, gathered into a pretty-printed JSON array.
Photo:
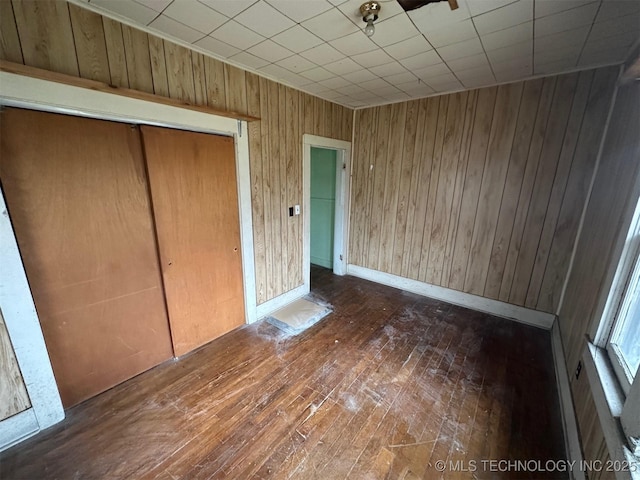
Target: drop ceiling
[{"x": 319, "y": 46}]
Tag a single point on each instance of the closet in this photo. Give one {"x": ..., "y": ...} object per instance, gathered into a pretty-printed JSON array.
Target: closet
[{"x": 122, "y": 280}]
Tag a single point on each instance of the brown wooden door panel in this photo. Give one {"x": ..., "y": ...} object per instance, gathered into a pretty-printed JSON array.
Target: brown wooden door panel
[
  {"x": 195, "y": 202},
  {"x": 78, "y": 200}
]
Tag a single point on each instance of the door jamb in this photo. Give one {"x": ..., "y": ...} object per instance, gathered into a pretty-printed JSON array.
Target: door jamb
[{"x": 343, "y": 180}]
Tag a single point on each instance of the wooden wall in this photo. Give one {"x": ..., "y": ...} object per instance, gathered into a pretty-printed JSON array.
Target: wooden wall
[
  {"x": 615, "y": 192},
  {"x": 65, "y": 38},
  {"x": 479, "y": 191},
  {"x": 13, "y": 393}
]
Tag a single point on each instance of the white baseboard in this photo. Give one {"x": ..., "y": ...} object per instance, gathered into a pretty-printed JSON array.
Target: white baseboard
[
  {"x": 569, "y": 423},
  {"x": 475, "y": 302},
  {"x": 280, "y": 301}
]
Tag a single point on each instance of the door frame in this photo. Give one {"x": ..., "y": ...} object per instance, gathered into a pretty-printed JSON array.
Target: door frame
[
  {"x": 341, "y": 226},
  {"x": 44, "y": 95},
  {"x": 17, "y": 303}
]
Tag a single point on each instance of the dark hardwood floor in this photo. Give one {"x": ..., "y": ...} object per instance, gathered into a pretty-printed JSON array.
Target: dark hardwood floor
[{"x": 385, "y": 387}]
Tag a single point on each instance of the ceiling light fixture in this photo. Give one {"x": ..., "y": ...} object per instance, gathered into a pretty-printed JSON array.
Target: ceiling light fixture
[{"x": 370, "y": 11}]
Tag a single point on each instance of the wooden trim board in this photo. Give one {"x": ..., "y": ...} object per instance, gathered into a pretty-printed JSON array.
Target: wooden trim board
[
  {"x": 474, "y": 302},
  {"x": 64, "y": 79},
  {"x": 21, "y": 320}
]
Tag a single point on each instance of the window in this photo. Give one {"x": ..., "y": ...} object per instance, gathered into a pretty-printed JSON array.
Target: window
[
  {"x": 624, "y": 342},
  {"x": 615, "y": 352}
]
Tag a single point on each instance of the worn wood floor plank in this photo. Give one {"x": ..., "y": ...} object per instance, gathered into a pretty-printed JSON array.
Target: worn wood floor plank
[{"x": 385, "y": 387}]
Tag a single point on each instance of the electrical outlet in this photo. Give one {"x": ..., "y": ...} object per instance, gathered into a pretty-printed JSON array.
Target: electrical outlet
[{"x": 578, "y": 369}]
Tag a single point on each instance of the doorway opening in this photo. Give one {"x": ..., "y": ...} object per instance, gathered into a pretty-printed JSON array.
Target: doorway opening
[
  {"x": 326, "y": 176},
  {"x": 323, "y": 205}
]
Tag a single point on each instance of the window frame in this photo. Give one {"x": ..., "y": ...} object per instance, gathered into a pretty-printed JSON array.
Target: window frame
[{"x": 619, "y": 397}]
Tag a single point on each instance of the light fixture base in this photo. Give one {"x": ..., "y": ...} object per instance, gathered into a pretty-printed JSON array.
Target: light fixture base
[{"x": 370, "y": 11}]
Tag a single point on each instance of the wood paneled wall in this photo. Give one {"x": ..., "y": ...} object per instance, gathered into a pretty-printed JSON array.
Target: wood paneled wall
[
  {"x": 65, "y": 38},
  {"x": 480, "y": 191},
  {"x": 13, "y": 392},
  {"x": 614, "y": 195}
]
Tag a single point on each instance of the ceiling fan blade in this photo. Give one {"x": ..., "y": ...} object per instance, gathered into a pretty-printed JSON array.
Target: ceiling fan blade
[{"x": 409, "y": 5}]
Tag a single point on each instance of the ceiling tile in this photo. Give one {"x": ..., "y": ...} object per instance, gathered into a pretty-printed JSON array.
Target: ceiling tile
[
  {"x": 351, "y": 90},
  {"x": 372, "y": 59},
  {"x": 434, "y": 16},
  {"x": 416, "y": 89},
  {"x": 235, "y": 34},
  {"x": 353, "y": 44},
  {"x": 316, "y": 88},
  {"x": 545, "y": 8},
  {"x": 454, "y": 33},
  {"x": 510, "y": 52},
  {"x": 195, "y": 15},
  {"x": 317, "y": 74},
  {"x": 394, "y": 30},
  {"x": 300, "y": 11},
  {"x": 361, "y": 75},
  {"x": 270, "y": 51},
  {"x": 297, "y": 39},
  {"x": 567, "y": 20},
  {"x": 131, "y": 10},
  {"x": 264, "y": 19},
  {"x": 409, "y": 47},
  {"x": 157, "y": 5},
  {"x": 432, "y": 71},
  {"x": 335, "y": 82},
  {"x": 514, "y": 74},
  {"x": 577, "y": 36},
  {"x": 478, "y": 82},
  {"x": 372, "y": 85},
  {"x": 388, "y": 69},
  {"x": 230, "y": 8},
  {"x": 332, "y": 95},
  {"x": 623, "y": 40},
  {"x": 217, "y": 47},
  {"x": 330, "y": 25},
  {"x": 444, "y": 83},
  {"x": 399, "y": 78},
  {"x": 343, "y": 67},
  {"x": 175, "y": 29},
  {"x": 465, "y": 63},
  {"x": 386, "y": 90},
  {"x": 603, "y": 57},
  {"x": 504, "y": 17},
  {"x": 322, "y": 54},
  {"x": 245, "y": 58},
  {"x": 557, "y": 54},
  {"x": 282, "y": 74},
  {"x": 421, "y": 60},
  {"x": 460, "y": 50},
  {"x": 554, "y": 67},
  {"x": 520, "y": 63},
  {"x": 398, "y": 97},
  {"x": 614, "y": 26},
  {"x": 483, "y": 72},
  {"x": 618, "y": 8},
  {"x": 509, "y": 36},
  {"x": 296, "y": 64},
  {"x": 478, "y": 7}
]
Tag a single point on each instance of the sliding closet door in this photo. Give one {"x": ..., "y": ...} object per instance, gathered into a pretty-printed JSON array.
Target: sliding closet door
[
  {"x": 77, "y": 196},
  {"x": 195, "y": 202}
]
